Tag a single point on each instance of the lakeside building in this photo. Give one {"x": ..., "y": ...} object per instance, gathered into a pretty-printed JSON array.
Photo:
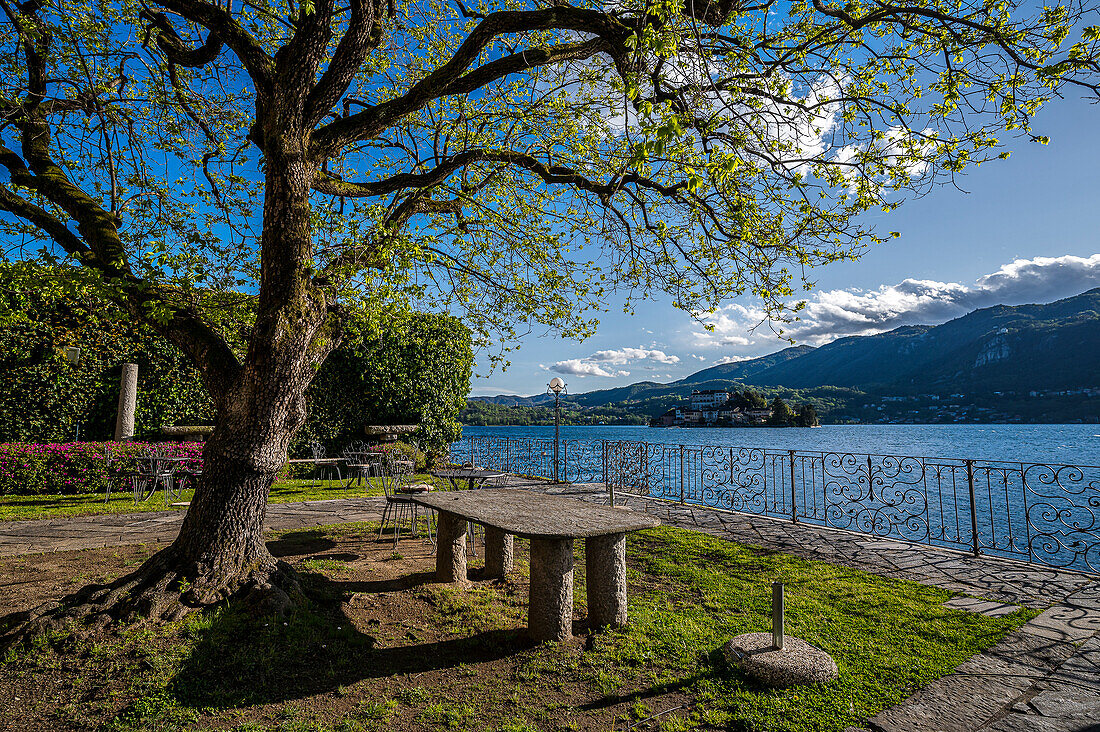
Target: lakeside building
[
  {"x": 726, "y": 413},
  {"x": 709, "y": 399}
]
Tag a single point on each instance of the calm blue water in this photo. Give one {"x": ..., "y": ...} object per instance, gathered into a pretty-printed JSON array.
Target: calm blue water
[{"x": 1074, "y": 444}]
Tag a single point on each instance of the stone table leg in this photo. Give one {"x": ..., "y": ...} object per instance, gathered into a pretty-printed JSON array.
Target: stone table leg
[
  {"x": 550, "y": 604},
  {"x": 498, "y": 553},
  {"x": 450, "y": 553},
  {"x": 605, "y": 580}
]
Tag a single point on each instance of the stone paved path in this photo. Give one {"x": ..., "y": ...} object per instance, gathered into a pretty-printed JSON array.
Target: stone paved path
[
  {"x": 1045, "y": 677},
  {"x": 89, "y": 532}
]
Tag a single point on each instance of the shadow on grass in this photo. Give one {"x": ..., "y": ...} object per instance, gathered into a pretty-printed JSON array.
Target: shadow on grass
[
  {"x": 404, "y": 582},
  {"x": 241, "y": 661},
  {"x": 308, "y": 541},
  {"x": 715, "y": 665}
]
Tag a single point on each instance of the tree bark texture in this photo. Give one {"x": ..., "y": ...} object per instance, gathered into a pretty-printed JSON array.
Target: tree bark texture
[{"x": 221, "y": 540}]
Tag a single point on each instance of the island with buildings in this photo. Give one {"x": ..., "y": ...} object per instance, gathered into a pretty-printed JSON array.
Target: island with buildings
[{"x": 726, "y": 408}]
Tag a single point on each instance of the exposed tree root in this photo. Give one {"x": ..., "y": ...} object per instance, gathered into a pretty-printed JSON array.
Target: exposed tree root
[{"x": 163, "y": 589}]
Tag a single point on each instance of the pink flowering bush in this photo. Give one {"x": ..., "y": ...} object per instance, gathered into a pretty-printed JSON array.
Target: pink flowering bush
[{"x": 77, "y": 467}]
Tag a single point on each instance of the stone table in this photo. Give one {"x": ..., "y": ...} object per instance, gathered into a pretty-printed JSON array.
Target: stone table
[{"x": 551, "y": 523}]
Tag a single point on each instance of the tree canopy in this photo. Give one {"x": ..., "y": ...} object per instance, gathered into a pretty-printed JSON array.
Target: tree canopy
[{"x": 513, "y": 161}]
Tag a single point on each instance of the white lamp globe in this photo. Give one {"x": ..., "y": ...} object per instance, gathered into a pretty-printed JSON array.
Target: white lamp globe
[{"x": 556, "y": 385}]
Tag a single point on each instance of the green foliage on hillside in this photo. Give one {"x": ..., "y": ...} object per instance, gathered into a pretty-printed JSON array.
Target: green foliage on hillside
[
  {"x": 480, "y": 413},
  {"x": 782, "y": 414},
  {"x": 417, "y": 370}
]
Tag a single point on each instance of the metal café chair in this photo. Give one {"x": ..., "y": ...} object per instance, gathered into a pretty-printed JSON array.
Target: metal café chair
[
  {"x": 362, "y": 463},
  {"x": 396, "y": 477},
  {"x": 116, "y": 474},
  {"x": 186, "y": 473},
  {"x": 157, "y": 470},
  {"x": 323, "y": 469}
]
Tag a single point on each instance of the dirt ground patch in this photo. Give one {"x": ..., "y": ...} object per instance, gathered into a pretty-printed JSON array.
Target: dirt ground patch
[{"x": 420, "y": 666}]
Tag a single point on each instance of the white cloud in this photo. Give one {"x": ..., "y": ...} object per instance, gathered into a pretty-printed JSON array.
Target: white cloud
[
  {"x": 835, "y": 313},
  {"x": 626, "y": 355},
  {"x": 582, "y": 368},
  {"x": 898, "y": 149},
  {"x": 601, "y": 363},
  {"x": 494, "y": 391},
  {"x": 731, "y": 359}
]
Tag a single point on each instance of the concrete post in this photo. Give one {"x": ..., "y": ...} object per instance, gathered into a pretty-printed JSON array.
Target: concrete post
[
  {"x": 450, "y": 549},
  {"x": 550, "y": 604},
  {"x": 498, "y": 553},
  {"x": 127, "y": 402},
  {"x": 605, "y": 580}
]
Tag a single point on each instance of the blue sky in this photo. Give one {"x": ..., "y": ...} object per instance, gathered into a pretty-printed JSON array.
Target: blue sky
[{"x": 1024, "y": 230}]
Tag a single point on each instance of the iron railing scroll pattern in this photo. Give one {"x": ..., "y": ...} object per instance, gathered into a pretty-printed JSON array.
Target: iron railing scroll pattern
[
  {"x": 1061, "y": 506},
  {"x": 1041, "y": 513}
]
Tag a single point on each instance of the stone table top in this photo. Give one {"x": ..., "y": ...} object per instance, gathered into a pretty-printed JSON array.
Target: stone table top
[{"x": 536, "y": 515}]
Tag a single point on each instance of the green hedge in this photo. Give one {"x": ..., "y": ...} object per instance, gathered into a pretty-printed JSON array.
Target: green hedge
[{"x": 417, "y": 371}]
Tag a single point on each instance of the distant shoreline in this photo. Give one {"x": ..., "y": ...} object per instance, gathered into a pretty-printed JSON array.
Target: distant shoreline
[{"x": 768, "y": 426}]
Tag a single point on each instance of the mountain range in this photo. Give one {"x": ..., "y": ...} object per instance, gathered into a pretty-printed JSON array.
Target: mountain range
[{"x": 1000, "y": 349}]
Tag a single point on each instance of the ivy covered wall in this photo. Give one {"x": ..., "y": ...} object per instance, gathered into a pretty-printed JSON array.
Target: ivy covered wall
[{"x": 416, "y": 370}]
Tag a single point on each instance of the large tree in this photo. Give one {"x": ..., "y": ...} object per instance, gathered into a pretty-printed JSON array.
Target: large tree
[{"x": 515, "y": 161}]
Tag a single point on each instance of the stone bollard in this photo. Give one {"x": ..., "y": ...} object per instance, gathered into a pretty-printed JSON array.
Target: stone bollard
[{"x": 127, "y": 402}]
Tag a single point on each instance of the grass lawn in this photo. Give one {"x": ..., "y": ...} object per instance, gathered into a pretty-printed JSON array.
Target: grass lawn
[
  {"x": 381, "y": 647},
  {"x": 22, "y": 508}
]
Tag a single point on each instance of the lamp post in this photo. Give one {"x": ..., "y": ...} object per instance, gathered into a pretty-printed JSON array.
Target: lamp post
[{"x": 556, "y": 388}]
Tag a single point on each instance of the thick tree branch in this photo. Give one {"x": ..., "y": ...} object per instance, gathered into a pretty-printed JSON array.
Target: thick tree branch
[
  {"x": 363, "y": 35},
  {"x": 447, "y": 78},
  {"x": 551, "y": 174},
  {"x": 297, "y": 62},
  {"x": 173, "y": 47},
  {"x": 525, "y": 60},
  {"x": 257, "y": 62},
  {"x": 42, "y": 219}
]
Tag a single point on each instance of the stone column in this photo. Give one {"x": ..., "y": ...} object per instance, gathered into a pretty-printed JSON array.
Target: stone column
[
  {"x": 127, "y": 402},
  {"x": 450, "y": 548},
  {"x": 498, "y": 553},
  {"x": 605, "y": 580},
  {"x": 550, "y": 604}
]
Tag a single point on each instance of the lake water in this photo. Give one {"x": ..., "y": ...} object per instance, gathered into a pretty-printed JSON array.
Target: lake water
[
  {"x": 1031, "y": 491},
  {"x": 1073, "y": 444}
]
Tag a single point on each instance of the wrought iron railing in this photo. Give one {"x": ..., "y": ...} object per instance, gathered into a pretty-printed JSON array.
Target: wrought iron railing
[{"x": 1041, "y": 513}]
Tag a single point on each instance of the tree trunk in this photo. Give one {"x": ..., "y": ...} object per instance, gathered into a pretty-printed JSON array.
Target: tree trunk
[
  {"x": 220, "y": 547},
  {"x": 220, "y": 551}
]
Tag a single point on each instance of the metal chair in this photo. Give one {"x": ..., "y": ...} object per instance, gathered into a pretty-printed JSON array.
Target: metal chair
[
  {"x": 155, "y": 471},
  {"x": 322, "y": 470},
  {"x": 116, "y": 474},
  {"x": 362, "y": 463},
  {"x": 396, "y": 474},
  {"x": 185, "y": 474}
]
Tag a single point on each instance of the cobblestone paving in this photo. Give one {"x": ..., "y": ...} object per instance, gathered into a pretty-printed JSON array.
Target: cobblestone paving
[
  {"x": 91, "y": 532},
  {"x": 1045, "y": 677}
]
